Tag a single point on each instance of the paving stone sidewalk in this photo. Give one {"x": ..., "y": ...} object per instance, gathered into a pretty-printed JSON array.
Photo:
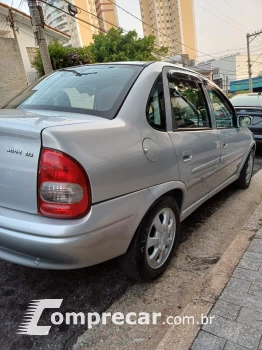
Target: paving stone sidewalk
[{"x": 237, "y": 322}]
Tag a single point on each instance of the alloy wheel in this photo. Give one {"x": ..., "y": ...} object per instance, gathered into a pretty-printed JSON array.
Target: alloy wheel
[
  {"x": 161, "y": 238},
  {"x": 249, "y": 169}
]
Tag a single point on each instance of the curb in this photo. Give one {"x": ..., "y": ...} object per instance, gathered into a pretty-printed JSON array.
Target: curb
[{"x": 182, "y": 336}]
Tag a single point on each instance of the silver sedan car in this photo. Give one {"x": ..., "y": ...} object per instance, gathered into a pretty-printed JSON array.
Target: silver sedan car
[{"x": 105, "y": 161}]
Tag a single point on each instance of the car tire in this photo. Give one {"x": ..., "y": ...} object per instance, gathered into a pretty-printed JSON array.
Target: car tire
[
  {"x": 245, "y": 177},
  {"x": 154, "y": 242}
]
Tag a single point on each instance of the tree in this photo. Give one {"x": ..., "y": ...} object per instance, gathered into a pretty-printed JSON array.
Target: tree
[
  {"x": 117, "y": 46},
  {"x": 63, "y": 56}
]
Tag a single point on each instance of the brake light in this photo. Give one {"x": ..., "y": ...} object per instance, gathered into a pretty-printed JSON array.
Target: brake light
[{"x": 63, "y": 186}]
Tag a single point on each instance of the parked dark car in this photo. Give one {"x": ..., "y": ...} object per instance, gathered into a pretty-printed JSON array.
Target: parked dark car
[{"x": 251, "y": 105}]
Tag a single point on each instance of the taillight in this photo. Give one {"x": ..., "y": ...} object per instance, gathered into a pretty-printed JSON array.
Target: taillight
[{"x": 63, "y": 186}]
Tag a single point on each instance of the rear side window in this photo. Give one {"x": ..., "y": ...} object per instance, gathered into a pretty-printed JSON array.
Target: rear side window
[
  {"x": 97, "y": 90},
  {"x": 155, "y": 111},
  {"x": 188, "y": 102}
]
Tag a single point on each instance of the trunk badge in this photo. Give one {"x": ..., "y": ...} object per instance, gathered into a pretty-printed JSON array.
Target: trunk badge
[
  {"x": 13, "y": 150},
  {"x": 29, "y": 154},
  {"x": 19, "y": 152}
]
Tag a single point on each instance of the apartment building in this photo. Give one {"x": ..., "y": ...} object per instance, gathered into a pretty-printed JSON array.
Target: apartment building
[
  {"x": 82, "y": 33},
  {"x": 172, "y": 22}
]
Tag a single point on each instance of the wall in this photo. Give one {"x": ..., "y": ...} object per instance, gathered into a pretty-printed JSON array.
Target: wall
[
  {"x": 26, "y": 39},
  {"x": 227, "y": 68},
  {"x": 12, "y": 73}
]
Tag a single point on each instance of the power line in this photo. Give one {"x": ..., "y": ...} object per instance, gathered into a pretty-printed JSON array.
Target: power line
[
  {"x": 242, "y": 16},
  {"x": 100, "y": 18},
  {"x": 99, "y": 29},
  {"x": 21, "y": 2},
  {"x": 21, "y": 30},
  {"x": 178, "y": 41},
  {"x": 228, "y": 17},
  {"x": 239, "y": 13},
  {"x": 122, "y": 29},
  {"x": 79, "y": 19},
  {"x": 256, "y": 59},
  {"x": 205, "y": 54},
  {"x": 223, "y": 15},
  {"x": 218, "y": 17},
  {"x": 238, "y": 48}
]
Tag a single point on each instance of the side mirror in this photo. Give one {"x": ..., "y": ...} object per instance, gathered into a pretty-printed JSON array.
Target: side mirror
[{"x": 244, "y": 120}]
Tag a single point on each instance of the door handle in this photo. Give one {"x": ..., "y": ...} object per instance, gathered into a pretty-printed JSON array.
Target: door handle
[
  {"x": 187, "y": 158},
  {"x": 187, "y": 155},
  {"x": 225, "y": 145}
]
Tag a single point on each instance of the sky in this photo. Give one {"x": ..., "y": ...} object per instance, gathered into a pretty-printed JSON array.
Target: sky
[{"x": 221, "y": 25}]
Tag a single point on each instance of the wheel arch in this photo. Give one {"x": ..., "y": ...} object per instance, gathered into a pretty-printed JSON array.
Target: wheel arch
[
  {"x": 176, "y": 189},
  {"x": 251, "y": 147}
]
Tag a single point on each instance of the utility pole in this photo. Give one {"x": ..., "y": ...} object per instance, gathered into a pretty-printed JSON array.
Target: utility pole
[
  {"x": 249, "y": 64},
  {"x": 12, "y": 22},
  {"x": 39, "y": 33},
  {"x": 254, "y": 35},
  {"x": 226, "y": 85}
]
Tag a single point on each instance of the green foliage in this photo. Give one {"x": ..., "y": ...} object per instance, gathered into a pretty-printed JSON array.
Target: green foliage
[
  {"x": 117, "y": 46},
  {"x": 113, "y": 47},
  {"x": 63, "y": 56}
]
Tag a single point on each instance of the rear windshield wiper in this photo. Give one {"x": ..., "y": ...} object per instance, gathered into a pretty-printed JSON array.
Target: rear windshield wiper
[{"x": 76, "y": 72}]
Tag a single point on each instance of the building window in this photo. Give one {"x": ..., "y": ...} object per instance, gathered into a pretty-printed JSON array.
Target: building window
[{"x": 32, "y": 53}]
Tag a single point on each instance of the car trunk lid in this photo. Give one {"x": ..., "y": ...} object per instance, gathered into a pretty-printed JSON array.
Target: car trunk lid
[{"x": 20, "y": 146}]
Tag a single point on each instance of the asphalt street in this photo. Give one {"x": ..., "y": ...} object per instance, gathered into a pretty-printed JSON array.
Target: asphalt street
[{"x": 91, "y": 289}]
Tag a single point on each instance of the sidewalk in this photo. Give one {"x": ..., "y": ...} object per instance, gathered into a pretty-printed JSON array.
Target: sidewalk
[
  {"x": 237, "y": 322},
  {"x": 232, "y": 295},
  {"x": 196, "y": 277}
]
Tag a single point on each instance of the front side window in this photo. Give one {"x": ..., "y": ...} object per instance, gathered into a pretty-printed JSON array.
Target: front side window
[
  {"x": 155, "y": 110},
  {"x": 97, "y": 90},
  {"x": 223, "y": 113},
  {"x": 188, "y": 102}
]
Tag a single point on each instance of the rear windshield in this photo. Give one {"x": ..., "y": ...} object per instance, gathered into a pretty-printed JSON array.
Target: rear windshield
[
  {"x": 247, "y": 101},
  {"x": 96, "y": 90}
]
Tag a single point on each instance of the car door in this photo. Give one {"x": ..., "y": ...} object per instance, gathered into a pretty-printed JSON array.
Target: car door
[
  {"x": 232, "y": 139},
  {"x": 192, "y": 133}
]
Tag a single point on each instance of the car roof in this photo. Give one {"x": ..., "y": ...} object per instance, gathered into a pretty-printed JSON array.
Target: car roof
[
  {"x": 248, "y": 94},
  {"x": 145, "y": 64},
  {"x": 140, "y": 63},
  {"x": 132, "y": 63}
]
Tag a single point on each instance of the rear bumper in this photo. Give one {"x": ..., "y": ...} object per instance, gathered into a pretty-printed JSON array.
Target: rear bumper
[
  {"x": 64, "y": 253},
  {"x": 105, "y": 233}
]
